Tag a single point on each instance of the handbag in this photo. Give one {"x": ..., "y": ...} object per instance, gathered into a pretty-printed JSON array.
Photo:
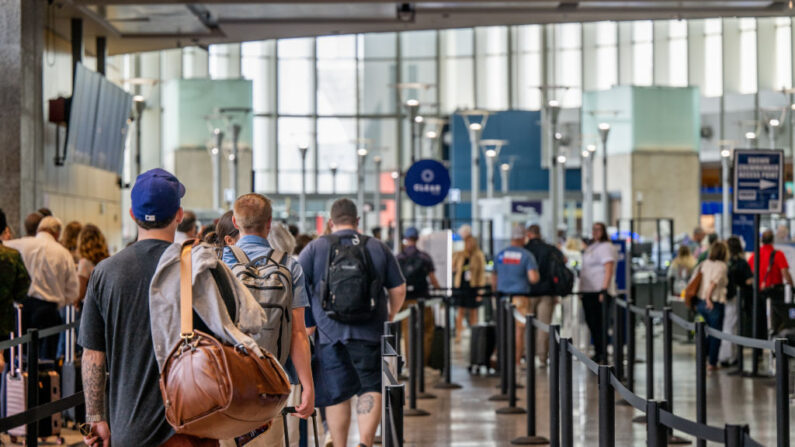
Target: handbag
[
  {"x": 691, "y": 291},
  {"x": 335, "y": 377},
  {"x": 214, "y": 390}
]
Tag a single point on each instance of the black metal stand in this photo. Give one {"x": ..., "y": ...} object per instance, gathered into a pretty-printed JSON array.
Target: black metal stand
[
  {"x": 447, "y": 383},
  {"x": 510, "y": 363},
  {"x": 412, "y": 410},
  {"x": 530, "y": 388},
  {"x": 420, "y": 350}
]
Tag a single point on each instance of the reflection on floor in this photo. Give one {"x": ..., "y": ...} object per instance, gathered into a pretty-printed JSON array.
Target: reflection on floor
[{"x": 465, "y": 417}]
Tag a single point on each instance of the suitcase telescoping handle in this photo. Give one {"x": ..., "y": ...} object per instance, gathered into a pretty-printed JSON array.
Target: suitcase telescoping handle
[
  {"x": 71, "y": 314},
  {"x": 291, "y": 410},
  {"x": 16, "y": 369}
]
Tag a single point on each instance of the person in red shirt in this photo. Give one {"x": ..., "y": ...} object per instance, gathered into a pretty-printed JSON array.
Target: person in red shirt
[
  {"x": 773, "y": 272},
  {"x": 779, "y": 273}
]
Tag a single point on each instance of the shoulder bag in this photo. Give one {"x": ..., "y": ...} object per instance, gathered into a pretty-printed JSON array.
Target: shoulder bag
[
  {"x": 691, "y": 291},
  {"x": 212, "y": 389}
]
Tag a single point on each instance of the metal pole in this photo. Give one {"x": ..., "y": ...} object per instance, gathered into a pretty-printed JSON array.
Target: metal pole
[
  {"x": 756, "y": 300},
  {"x": 630, "y": 345},
  {"x": 420, "y": 360},
  {"x": 216, "y": 160},
  {"x": 530, "y": 387},
  {"x": 447, "y": 384},
  {"x": 649, "y": 353},
  {"x": 701, "y": 378},
  {"x": 618, "y": 345},
  {"x": 554, "y": 386},
  {"x": 566, "y": 399},
  {"x": 398, "y": 212},
  {"x": 668, "y": 367},
  {"x": 502, "y": 340},
  {"x": 233, "y": 164},
  {"x": 412, "y": 410},
  {"x": 587, "y": 206},
  {"x": 32, "y": 429},
  {"x": 782, "y": 394},
  {"x": 553, "y": 109},
  {"x": 505, "y": 177},
  {"x": 656, "y": 435},
  {"x": 510, "y": 363},
  {"x": 361, "y": 157},
  {"x": 302, "y": 197},
  {"x": 475, "y": 131},
  {"x": 377, "y": 190},
  {"x": 607, "y": 409},
  {"x": 725, "y": 217},
  {"x": 560, "y": 194},
  {"x": 604, "y": 131},
  {"x": 489, "y": 177}
]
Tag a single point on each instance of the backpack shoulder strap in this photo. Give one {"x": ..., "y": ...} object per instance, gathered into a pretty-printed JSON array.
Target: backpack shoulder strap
[
  {"x": 770, "y": 264},
  {"x": 240, "y": 255},
  {"x": 368, "y": 261}
]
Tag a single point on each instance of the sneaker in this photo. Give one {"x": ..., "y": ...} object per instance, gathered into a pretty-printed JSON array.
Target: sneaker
[{"x": 328, "y": 442}]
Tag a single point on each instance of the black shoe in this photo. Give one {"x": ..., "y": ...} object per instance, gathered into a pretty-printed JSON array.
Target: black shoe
[{"x": 728, "y": 364}]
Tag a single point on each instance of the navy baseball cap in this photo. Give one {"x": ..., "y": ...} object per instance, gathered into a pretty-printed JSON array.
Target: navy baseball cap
[
  {"x": 156, "y": 196},
  {"x": 411, "y": 233}
]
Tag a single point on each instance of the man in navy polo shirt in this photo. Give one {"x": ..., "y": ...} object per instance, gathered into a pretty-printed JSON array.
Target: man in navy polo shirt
[
  {"x": 515, "y": 269},
  {"x": 362, "y": 340}
]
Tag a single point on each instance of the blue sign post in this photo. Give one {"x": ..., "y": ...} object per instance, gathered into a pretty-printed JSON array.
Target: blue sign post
[
  {"x": 622, "y": 267},
  {"x": 427, "y": 182},
  {"x": 758, "y": 181}
]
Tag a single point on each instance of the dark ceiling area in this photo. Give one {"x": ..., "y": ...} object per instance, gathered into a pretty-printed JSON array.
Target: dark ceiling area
[{"x": 145, "y": 25}]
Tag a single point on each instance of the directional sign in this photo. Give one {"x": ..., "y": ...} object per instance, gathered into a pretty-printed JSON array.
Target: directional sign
[
  {"x": 758, "y": 181},
  {"x": 622, "y": 268},
  {"x": 427, "y": 182}
]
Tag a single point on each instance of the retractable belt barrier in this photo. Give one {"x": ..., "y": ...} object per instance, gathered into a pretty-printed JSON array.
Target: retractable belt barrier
[
  {"x": 658, "y": 414},
  {"x": 394, "y": 394},
  {"x": 32, "y": 416}
]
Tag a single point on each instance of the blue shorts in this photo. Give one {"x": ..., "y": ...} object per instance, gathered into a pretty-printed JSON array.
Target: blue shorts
[{"x": 366, "y": 358}]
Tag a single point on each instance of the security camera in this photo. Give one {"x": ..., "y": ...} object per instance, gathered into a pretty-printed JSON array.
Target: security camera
[{"x": 406, "y": 12}]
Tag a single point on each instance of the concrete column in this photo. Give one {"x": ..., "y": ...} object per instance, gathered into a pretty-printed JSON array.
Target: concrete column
[
  {"x": 766, "y": 51},
  {"x": 151, "y": 122},
  {"x": 731, "y": 56},
  {"x": 21, "y": 117}
]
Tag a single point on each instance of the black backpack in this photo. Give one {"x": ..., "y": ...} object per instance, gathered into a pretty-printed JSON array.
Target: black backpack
[
  {"x": 556, "y": 278},
  {"x": 413, "y": 268},
  {"x": 351, "y": 288}
]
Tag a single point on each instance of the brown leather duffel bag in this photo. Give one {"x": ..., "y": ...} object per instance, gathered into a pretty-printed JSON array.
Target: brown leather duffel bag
[{"x": 214, "y": 390}]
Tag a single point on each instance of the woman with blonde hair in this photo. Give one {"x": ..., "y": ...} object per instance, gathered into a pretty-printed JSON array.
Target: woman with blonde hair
[
  {"x": 92, "y": 248},
  {"x": 469, "y": 270}
]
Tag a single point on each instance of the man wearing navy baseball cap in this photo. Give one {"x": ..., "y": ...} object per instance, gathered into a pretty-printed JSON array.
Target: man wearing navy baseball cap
[{"x": 116, "y": 328}]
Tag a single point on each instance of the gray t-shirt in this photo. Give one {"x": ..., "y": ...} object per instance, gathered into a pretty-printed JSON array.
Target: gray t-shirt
[
  {"x": 116, "y": 321},
  {"x": 313, "y": 259}
]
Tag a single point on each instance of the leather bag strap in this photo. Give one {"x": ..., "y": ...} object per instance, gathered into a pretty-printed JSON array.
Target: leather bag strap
[{"x": 186, "y": 290}]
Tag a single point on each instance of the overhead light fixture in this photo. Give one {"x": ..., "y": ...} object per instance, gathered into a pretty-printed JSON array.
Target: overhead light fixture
[
  {"x": 725, "y": 153},
  {"x": 586, "y": 154},
  {"x": 333, "y": 167},
  {"x": 561, "y": 159},
  {"x": 361, "y": 152},
  {"x": 604, "y": 126},
  {"x": 395, "y": 175},
  {"x": 491, "y": 153},
  {"x": 377, "y": 159},
  {"x": 774, "y": 122},
  {"x": 412, "y": 103},
  {"x": 591, "y": 148},
  {"x": 431, "y": 134},
  {"x": 750, "y": 135},
  {"x": 475, "y": 127},
  {"x": 505, "y": 167},
  {"x": 138, "y": 98},
  {"x": 558, "y": 136},
  {"x": 553, "y": 103},
  {"x": 214, "y": 151},
  {"x": 418, "y": 119}
]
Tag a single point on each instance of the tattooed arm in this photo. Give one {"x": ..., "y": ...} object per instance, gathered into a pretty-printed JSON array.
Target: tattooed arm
[{"x": 93, "y": 367}]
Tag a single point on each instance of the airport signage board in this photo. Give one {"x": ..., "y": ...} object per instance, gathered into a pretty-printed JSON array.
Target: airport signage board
[
  {"x": 427, "y": 182},
  {"x": 758, "y": 181}
]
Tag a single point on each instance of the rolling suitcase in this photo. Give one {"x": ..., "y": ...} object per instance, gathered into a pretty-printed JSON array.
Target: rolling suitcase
[
  {"x": 16, "y": 393},
  {"x": 71, "y": 379},
  {"x": 291, "y": 410},
  {"x": 482, "y": 345}
]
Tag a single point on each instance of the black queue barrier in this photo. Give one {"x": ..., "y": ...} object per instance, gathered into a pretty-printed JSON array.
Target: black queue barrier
[
  {"x": 393, "y": 392},
  {"x": 660, "y": 419},
  {"x": 509, "y": 364},
  {"x": 31, "y": 417},
  {"x": 419, "y": 359}
]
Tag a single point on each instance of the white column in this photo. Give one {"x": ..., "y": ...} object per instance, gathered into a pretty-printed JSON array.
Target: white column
[
  {"x": 725, "y": 216},
  {"x": 302, "y": 198}
]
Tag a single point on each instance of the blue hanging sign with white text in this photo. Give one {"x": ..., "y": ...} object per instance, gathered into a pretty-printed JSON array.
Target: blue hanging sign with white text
[{"x": 427, "y": 182}]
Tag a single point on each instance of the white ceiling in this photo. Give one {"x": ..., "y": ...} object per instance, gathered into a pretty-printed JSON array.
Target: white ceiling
[{"x": 141, "y": 25}]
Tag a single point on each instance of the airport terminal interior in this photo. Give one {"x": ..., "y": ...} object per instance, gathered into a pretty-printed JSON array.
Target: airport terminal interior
[{"x": 649, "y": 144}]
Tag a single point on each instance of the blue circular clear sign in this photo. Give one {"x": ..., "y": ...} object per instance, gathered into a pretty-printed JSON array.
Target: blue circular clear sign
[{"x": 427, "y": 182}]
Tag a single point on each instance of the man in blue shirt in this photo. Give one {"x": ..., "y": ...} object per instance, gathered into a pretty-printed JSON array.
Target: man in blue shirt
[
  {"x": 253, "y": 216},
  {"x": 362, "y": 340},
  {"x": 515, "y": 269}
]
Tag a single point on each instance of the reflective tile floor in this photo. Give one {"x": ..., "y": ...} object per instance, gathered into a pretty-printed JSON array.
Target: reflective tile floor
[{"x": 466, "y": 417}]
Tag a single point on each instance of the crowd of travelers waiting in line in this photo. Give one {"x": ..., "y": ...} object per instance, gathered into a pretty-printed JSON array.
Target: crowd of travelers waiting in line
[{"x": 310, "y": 302}]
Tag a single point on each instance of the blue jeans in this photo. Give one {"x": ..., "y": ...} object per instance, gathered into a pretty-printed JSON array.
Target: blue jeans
[{"x": 714, "y": 319}]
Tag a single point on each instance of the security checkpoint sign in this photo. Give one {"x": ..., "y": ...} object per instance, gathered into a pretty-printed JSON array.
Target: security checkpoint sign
[
  {"x": 758, "y": 181},
  {"x": 427, "y": 182}
]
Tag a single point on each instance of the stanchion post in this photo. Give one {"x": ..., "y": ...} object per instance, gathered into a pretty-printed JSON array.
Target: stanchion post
[
  {"x": 630, "y": 346},
  {"x": 701, "y": 378},
  {"x": 668, "y": 371},
  {"x": 510, "y": 366},
  {"x": 618, "y": 345},
  {"x": 447, "y": 383},
  {"x": 412, "y": 410},
  {"x": 32, "y": 429},
  {"x": 782, "y": 394},
  {"x": 395, "y": 400},
  {"x": 607, "y": 409},
  {"x": 649, "y": 353},
  {"x": 530, "y": 386},
  {"x": 734, "y": 435},
  {"x": 554, "y": 386},
  {"x": 656, "y": 434},
  {"x": 502, "y": 348},
  {"x": 420, "y": 350},
  {"x": 605, "y": 322},
  {"x": 740, "y": 320},
  {"x": 566, "y": 399},
  {"x": 756, "y": 353}
]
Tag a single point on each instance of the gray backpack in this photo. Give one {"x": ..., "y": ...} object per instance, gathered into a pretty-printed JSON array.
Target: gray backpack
[{"x": 271, "y": 284}]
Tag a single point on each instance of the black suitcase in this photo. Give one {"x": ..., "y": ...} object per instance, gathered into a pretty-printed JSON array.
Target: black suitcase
[
  {"x": 436, "y": 358},
  {"x": 782, "y": 318},
  {"x": 482, "y": 345},
  {"x": 71, "y": 378}
]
